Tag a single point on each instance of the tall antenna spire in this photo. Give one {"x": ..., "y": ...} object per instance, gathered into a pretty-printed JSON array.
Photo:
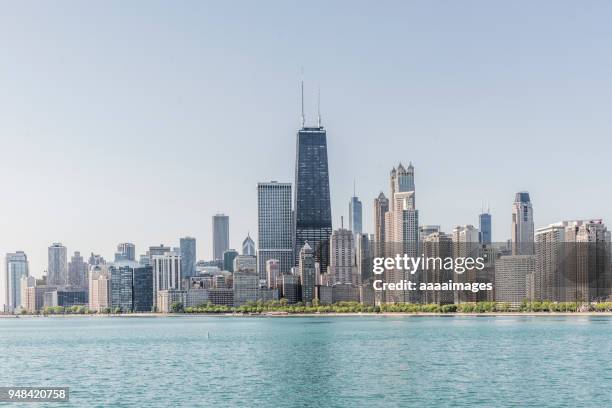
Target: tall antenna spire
[
  {"x": 354, "y": 189},
  {"x": 302, "y": 86},
  {"x": 319, "y": 107}
]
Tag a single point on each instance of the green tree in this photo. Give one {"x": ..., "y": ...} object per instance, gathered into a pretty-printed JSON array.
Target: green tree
[{"x": 177, "y": 307}]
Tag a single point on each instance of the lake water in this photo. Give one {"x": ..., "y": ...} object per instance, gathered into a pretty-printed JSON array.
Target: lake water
[{"x": 313, "y": 361}]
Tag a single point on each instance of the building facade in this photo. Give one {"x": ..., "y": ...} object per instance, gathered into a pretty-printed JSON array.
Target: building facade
[{"x": 220, "y": 235}]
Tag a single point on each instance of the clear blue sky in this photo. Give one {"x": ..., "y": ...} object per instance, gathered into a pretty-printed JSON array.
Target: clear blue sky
[{"x": 137, "y": 121}]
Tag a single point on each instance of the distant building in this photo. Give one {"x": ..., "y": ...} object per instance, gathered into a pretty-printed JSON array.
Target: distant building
[
  {"x": 166, "y": 272},
  {"x": 77, "y": 272},
  {"x": 188, "y": 256},
  {"x": 228, "y": 259},
  {"x": 99, "y": 288},
  {"x": 342, "y": 258},
  {"x": 126, "y": 251},
  {"x": 355, "y": 215},
  {"x": 307, "y": 273},
  {"x": 65, "y": 298},
  {"x": 522, "y": 225},
  {"x": 437, "y": 245},
  {"x": 484, "y": 225},
  {"x": 220, "y": 235},
  {"x": 272, "y": 272},
  {"x": 16, "y": 268},
  {"x": 245, "y": 288},
  {"x": 58, "y": 265},
  {"x": 364, "y": 252},
  {"x": 342, "y": 292},
  {"x": 131, "y": 287},
  {"x": 248, "y": 246},
  {"x": 381, "y": 207},
  {"x": 511, "y": 278},
  {"x": 291, "y": 288},
  {"x": 274, "y": 226},
  {"x": 245, "y": 263}
]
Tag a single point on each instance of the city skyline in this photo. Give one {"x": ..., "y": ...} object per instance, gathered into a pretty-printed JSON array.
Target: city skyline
[{"x": 407, "y": 111}]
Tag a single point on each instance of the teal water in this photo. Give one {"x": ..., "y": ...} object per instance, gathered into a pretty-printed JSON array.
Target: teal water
[{"x": 313, "y": 361}]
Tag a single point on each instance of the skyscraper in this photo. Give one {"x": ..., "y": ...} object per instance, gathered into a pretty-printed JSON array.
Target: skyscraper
[
  {"x": 77, "y": 271},
  {"x": 484, "y": 225},
  {"x": 522, "y": 225},
  {"x": 58, "y": 265},
  {"x": 220, "y": 236},
  {"x": 342, "y": 258},
  {"x": 381, "y": 207},
  {"x": 188, "y": 256},
  {"x": 307, "y": 272},
  {"x": 248, "y": 245},
  {"x": 275, "y": 226},
  {"x": 16, "y": 269},
  {"x": 166, "y": 272},
  {"x": 313, "y": 219},
  {"x": 401, "y": 229},
  {"x": 355, "y": 215}
]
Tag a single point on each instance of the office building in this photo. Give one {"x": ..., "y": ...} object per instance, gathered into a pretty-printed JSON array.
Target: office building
[
  {"x": 58, "y": 265},
  {"x": 355, "y": 215},
  {"x": 274, "y": 226},
  {"x": 307, "y": 272},
  {"x": 342, "y": 258},
  {"x": 245, "y": 286},
  {"x": 272, "y": 272},
  {"x": 511, "y": 278},
  {"x": 188, "y": 256},
  {"x": 484, "y": 225},
  {"x": 220, "y": 235},
  {"x": 228, "y": 259},
  {"x": 99, "y": 288},
  {"x": 16, "y": 268},
  {"x": 77, "y": 272},
  {"x": 381, "y": 207},
  {"x": 166, "y": 272},
  {"x": 313, "y": 218},
  {"x": 522, "y": 225},
  {"x": 245, "y": 263}
]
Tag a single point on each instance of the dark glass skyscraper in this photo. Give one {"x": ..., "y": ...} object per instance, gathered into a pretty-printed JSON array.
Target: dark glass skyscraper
[
  {"x": 313, "y": 221},
  {"x": 484, "y": 221}
]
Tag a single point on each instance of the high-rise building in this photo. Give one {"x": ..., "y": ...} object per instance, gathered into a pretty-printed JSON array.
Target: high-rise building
[
  {"x": 355, "y": 215},
  {"x": 99, "y": 288},
  {"x": 381, "y": 207},
  {"x": 77, "y": 271},
  {"x": 95, "y": 259},
  {"x": 593, "y": 253},
  {"x": 248, "y": 245},
  {"x": 126, "y": 251},
  {"x": 307, "y": 272},
  {"x": 402, "y": 236},
  {"x": 437, "y": 245},
  {"x": 188, "y": 256},
  {"x": 342, "y": 258},
  {"x": 551, "y": 262},
  {"x": 272, "y": 272},
  {"x": 274, "y": 226},
  {"x": 220, "y": 235},
  {"x": 364, "y": 252},
  {"x": 466, "y": 244},
  {"x": 131, "y": 287},
  {"x": 16, "y": 269},
  {"x": 522, "y": 225},
  {"x": 58, "y": 265},
  {"x": 166, "y": 272},
  {"x": 228, "y": 259},
  {"x": 313, "y": 218},
  {"x": 511, "y": 277},
  {"x": 484, "y": 225}
]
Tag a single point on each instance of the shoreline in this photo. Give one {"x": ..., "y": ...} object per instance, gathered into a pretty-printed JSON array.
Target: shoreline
[{"x": 277, "y": 314}]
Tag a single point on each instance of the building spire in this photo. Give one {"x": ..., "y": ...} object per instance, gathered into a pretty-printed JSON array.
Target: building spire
[
  {"x": 319, "y": 107},
  {"x": 302, "y": 88}
]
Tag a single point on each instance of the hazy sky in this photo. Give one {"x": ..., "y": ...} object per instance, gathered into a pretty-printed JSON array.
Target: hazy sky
[{"x": 137, "y": 121}]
